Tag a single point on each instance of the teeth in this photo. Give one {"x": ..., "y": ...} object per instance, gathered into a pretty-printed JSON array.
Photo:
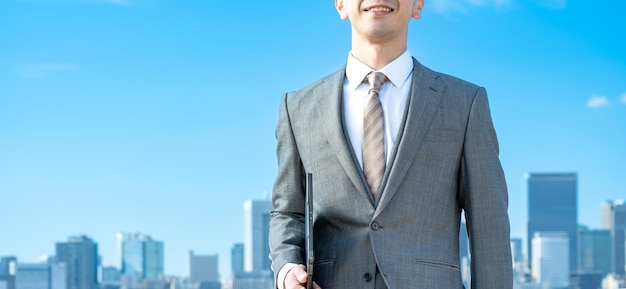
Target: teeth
[{"x": 381, "y": 9}]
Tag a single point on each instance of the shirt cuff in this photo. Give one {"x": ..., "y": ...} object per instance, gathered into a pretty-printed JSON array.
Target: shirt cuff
[{"x": 280, "y": 279}]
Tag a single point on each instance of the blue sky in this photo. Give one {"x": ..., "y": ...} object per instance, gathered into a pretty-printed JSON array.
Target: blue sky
[{"x": 158, "y": 116}]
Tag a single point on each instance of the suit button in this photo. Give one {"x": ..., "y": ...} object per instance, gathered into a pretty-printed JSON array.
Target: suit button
[
  {"x": 367, "y": 277},
  {"x": 375, "y": 226}
]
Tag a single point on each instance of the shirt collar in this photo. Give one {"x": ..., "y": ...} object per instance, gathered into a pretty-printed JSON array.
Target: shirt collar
[{"x": 397, "y": 71}]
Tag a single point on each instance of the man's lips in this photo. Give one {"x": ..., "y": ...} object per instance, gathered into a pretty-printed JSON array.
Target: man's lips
[{"x": 379, "y": 9}]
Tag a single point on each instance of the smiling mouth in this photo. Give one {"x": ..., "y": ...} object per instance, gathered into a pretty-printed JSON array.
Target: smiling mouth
[{"x": 379, "y": 9}]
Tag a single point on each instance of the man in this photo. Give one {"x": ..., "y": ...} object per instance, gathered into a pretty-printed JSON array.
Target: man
[{"x": 391, "y": 220}]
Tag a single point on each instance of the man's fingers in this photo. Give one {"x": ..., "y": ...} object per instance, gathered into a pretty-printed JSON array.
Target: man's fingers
[
  {"x": 296, "y": 277},
  {"x": 301, "y": 273}
]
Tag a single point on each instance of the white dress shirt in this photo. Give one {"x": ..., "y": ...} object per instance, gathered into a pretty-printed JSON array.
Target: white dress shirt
[{"x": 393, "y": 97}]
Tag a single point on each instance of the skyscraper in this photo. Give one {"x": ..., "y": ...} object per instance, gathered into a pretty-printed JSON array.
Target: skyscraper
[
  {"x": 613, "y": 218},
  {"x": 256, "y": 235},
  {"x": 7, "y": 272},
  {"x": 80, "y": 255},
  {"x": 236, "y": 258},
  {"x": 517, "y": 257},
  {"x": 553, "y": 207},
  {"x": 594, "y": 251},
  {"x": 141, "y": 256},
  {"x": 7, "y": 265},
  {"x": 550, "y": 263}
]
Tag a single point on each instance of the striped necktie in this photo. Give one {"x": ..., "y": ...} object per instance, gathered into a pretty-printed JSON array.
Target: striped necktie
[{"x": 373, "y": 133}]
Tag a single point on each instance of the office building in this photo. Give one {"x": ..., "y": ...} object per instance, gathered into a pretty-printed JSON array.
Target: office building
[
  {"x": 550, "y": 263},
  {"x": 7, "y": 265},
  {"x": 253, "y": 280},
  {"x": 553, "y": 207},
  {"x": 7, "y": 272},
  {"x": 256, "y": 235},
  {"x": 111, "y": 278},
  {"x": 236, "y": 258},
  {"x": 584, "y": 280},
  {"x": 7, "y": 281},
  {"x": 141, "y": 256},
  {"x": 613, "y": 218},
  {"x": 58, "y": 275},
  {"x": 203, "y": 269},
  {"x": 80, "y": 256},
  {"x": 594, "y": 251},
  {"x": 32, "y": 276},
  {"x": 154, "y": 284},
  {"x": 518, "y": 258}
]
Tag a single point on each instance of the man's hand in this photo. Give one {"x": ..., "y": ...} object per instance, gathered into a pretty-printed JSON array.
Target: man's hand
[{"x": 296, "y": 277}]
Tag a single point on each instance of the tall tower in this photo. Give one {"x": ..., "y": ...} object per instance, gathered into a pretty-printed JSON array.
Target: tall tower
[
  {"x": 518, "y": 257},
  {"x": 141, "y": 256},
  {"x": 80, "y": 255},
  {"x": 613, "y": 218},
  {"x": 7, "y": 265},
  {"x": 236, "y": 258},
  {"x": 553, "y": 207},
  {"x": 550, "y": 264},
  {"x": 7, "y": 272},
  {"x": 256, "y": 235}
]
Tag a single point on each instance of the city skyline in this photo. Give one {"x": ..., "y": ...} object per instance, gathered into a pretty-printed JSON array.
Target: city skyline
[
  {"x": 247, "y": 212},
  {"x": 158, "y": 117}
]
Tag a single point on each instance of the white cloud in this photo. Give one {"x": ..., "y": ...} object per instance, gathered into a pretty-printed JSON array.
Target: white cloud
[
  {"x": 42, "y": 70},
  {"x": 623, "y": 98},
  {"x": 597, "y": 101}
]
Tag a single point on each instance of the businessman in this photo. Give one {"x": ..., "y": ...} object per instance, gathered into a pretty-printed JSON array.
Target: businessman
[{"x": 397, "y": 152}]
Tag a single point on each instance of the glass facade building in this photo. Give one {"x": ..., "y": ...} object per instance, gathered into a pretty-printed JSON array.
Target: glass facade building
[
  {"x": 32, "y": 276},
  {"x": 256, "y": 235},
  {"x": 141, "y": 256},
  {"x": 550, "y": 263},
  {"x": 613, "y": 218},
  {"x": 553, "y": 207},
  {"x": 236, "y": 258},
  {"x": 80, "y": 255},
  {"x": 594, "y": 251}
]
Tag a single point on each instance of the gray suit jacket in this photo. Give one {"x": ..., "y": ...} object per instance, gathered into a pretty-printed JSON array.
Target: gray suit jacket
[{"x": 445, "y": 161}]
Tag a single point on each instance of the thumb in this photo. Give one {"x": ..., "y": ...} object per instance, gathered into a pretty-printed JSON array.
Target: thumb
[{"x": 301, "y": 274}]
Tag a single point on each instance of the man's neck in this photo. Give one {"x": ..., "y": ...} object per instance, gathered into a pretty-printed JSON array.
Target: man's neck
[{"x": 377, "y": 55}]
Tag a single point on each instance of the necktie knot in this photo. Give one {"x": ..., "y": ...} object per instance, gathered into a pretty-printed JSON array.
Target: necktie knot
[{"x": 375, "y": 80}]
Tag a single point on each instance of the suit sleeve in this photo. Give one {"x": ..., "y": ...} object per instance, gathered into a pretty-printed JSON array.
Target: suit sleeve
[
  {"x": 286, "y": 235},
  {"x": 485, "y": 200}
]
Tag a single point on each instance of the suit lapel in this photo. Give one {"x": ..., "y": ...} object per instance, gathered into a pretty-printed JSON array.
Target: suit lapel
[
  {"x": 330, "y": 110},
  {"x": 423, "y": 102}
]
